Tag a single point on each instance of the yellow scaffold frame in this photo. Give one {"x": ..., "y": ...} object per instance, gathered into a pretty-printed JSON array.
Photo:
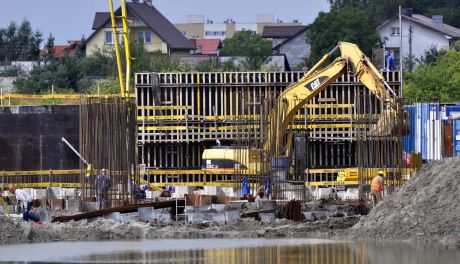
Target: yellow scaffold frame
[{"x": 124, "y": 87}]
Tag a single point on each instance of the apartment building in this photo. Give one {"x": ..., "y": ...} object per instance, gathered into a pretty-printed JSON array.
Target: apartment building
[{"x": 197, "y": 28}]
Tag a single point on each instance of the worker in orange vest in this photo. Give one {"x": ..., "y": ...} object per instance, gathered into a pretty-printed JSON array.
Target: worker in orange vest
[{"x": 377, "y": 187}]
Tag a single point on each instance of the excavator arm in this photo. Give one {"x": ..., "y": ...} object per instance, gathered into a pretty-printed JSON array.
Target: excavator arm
[
  {"x": 315, "y": 81},
  {"x": 293, "y": 98}
]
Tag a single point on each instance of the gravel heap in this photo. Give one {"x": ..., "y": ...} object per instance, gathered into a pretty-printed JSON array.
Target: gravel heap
[{"x": 426, "y": 208}]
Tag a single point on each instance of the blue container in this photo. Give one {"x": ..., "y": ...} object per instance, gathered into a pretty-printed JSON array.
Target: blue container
[
  {"x": 456, "y": 138},
  {"x": 409, "y": 139}
]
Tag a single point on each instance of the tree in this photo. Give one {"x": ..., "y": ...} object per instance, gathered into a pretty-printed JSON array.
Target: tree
[
  {"x": 345, "y": 24},
  {"x": 19, "y": 42},
  {"x": 49, "y": 47},
  {"x": 431, "y": 55},
  {"x": 252, "y": 47},
  {"x": 382, "y": 10},
  {"x": 440, "y": 79}
]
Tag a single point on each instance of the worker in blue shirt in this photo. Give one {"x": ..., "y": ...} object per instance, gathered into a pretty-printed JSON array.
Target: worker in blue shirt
[{"x": 389, "y": 61}]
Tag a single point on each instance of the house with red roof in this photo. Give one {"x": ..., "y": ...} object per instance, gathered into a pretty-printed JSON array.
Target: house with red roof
[
  {"x": 207, "y": 46},
  {"x": 60, "y": 51}
]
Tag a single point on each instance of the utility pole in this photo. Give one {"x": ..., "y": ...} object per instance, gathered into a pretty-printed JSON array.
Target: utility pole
[{"x": 400, "y": 53}]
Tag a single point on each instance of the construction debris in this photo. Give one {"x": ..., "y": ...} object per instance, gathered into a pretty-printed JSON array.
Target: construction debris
[{"x": 121, "y": 209}]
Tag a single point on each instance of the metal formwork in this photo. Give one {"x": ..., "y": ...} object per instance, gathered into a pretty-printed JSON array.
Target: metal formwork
[{"x": 181, "y": 114}]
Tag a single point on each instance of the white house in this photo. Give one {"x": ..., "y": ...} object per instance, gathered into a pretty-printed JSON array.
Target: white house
[{"x": 426, "y": 33}]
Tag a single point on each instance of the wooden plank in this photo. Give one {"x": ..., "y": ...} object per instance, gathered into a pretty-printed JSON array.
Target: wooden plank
[{"x": 121, "y": 209}]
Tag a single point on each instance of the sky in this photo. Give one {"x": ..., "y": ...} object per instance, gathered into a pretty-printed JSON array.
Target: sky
[{"x": 70, "y": 19}]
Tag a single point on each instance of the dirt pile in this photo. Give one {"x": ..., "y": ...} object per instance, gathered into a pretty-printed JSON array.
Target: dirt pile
[{"x": 425, "y": 209}]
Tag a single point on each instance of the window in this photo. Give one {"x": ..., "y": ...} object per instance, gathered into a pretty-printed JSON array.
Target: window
[
  {"x": 108, "y": 37},
  {"x": 144, "y": 36},
  {"x": 394, "y": 31},
  {"x": 215, "y": 33}
]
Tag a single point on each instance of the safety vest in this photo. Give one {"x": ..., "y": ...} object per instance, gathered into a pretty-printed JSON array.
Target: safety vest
[{"x": 376, "y": 185}]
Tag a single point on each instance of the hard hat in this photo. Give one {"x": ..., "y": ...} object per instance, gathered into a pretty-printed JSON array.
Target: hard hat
[
  {"x": 170, "y": 188},
  {"x": 381, "y": 172},
  {"x": 11, "y": 189},
  {"x": 387, "y": 53}
]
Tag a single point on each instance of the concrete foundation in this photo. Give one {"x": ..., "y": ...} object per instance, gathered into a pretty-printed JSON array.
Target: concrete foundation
[
  {"x": 72, "y": 205},
  {"x": 147, "y": 214},
  {"x": 113, "y": 216},
  {"x": 267, "y": 217},
  {"x": 89, "y": 206}
]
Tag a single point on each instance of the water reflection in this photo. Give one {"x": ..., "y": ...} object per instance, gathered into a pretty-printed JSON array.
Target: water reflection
[{"x": 345, "y": 253}]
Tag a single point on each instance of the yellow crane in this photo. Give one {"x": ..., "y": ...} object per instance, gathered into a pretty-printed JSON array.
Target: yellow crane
[
  {"x": 295, "y": 97},
  {"x": 124, "y": 86}
]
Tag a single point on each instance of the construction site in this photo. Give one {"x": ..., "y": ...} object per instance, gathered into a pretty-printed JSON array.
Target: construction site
[{"x": 235, "y": 155}]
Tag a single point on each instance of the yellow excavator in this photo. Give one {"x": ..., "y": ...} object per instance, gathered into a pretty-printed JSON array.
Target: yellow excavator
[{"x": 278, "y": 143}]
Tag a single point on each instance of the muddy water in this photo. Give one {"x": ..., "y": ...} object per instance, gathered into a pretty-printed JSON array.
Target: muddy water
[{"x": 227, "y": 251}]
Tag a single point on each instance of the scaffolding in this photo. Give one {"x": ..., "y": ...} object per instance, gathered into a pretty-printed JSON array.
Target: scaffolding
[{"x": 181, "y": 114}]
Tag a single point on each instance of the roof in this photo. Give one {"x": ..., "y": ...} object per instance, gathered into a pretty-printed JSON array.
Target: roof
[
  {"x": 160, "y": 25},
  {"x": 208, "y": 46},
  {"x": 100, "y": 19},
  {"x": 153, "y": 19},
  {"x": 428, "y": 22},
  {"x": 64, "y": 50},
  {"x": 282, "y": 31}
]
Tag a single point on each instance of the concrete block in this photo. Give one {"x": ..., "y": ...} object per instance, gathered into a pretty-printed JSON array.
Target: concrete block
[
  {"x": 68, "y": 193},
  {"x": 236, "y": 204},
  {"x": 232, "y": 216},
  {"x": 56, "y": 204},
  {"x": 89, "y": 206},
  {"x": 164, "y": 218},
  {"x": 129, "y": 217},
  {"x": 201, "y": 208},
  {"x": 195, "y": 218},
  {"x": 216, "y": 217},
  {"x": 90, "y": 220},
  {"x": 38, "y": 194},
  {"x": 210, "y": 190},
  {"x": 147, "y": 214},
  {"x": 267, "y": 217},
  {"x": 73, "y": 205},
  {"x": 55, "y": 192},
  {"x": 218, "y": 207},
  {"x": 226, "y": 191},
  {"x": 349, "y": 194},
  {"x": 113, "y": 216},
  {"x": 321, "y": 193}
]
